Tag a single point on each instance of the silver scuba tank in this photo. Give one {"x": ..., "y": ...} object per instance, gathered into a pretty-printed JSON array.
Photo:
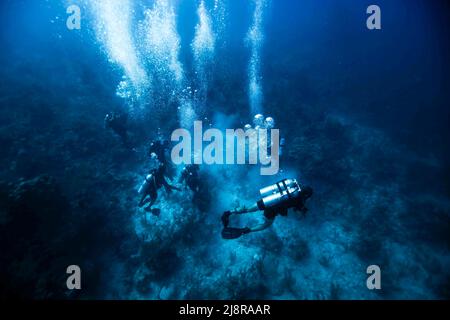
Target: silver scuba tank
[
  {"x": 279, "y": 192},
  {"x": 144, "y": 186}
]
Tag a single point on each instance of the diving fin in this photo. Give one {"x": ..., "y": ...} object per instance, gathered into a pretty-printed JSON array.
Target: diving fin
[
  {"x": 156, "y": 212},
  {"x": 153, "y": 211},
  {"x": 234, "y": 233}
]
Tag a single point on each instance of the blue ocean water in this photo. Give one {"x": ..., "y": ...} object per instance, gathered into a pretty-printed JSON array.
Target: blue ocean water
[{"x": 364, "y": 113}]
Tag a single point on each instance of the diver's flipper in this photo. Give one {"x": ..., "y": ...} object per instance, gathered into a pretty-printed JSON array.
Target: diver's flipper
[
  {"x": 156, "y": 212},
  {"x": 153, "y": 211},
  {"x": 234, "y": 233}
]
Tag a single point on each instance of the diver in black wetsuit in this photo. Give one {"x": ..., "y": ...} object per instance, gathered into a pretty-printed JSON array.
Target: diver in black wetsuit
[
  {"x": 189, "y": 175},
  {"x": 275, "y": 200},
  {"x": 159, "y": 148},
  {"x": 153, "y": 182},
  {"x": 118, "y": 124}
]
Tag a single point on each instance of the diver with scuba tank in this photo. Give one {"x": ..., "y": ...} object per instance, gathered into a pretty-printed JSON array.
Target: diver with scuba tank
[
  {"x": 275, "y": 200},
  {"x": 149, "y": 188}
]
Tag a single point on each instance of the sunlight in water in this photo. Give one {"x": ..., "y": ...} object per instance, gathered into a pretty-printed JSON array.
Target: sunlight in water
[
  {"x": 150, "y": 50},
  {"x": 203, "y": 49},
  {"x": 162, "y": 42},
  {"x": 255, "y": 39},
  {"x": 113, "y": 26},
  {"x": 203, "y": 43}
]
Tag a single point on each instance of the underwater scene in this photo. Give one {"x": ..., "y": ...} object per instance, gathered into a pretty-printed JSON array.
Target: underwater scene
[{"x": 224, "y": 149}]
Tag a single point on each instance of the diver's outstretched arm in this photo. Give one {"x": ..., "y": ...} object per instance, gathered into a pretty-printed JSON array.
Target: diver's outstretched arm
[
  {"x": 239, "y": 210},
  {"x": 151, "y": 200},
  {"x": 244, "y": 209},
  {"x": 169, "y": 187},
  {"x": 267, "y": 223},
  {"x": 143, "y": 200}
]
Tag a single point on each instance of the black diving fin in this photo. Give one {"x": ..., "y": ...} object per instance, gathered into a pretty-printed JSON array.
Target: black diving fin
[
  {"x": 234, "y": 233},
  {"x": 154, "y": 211}
]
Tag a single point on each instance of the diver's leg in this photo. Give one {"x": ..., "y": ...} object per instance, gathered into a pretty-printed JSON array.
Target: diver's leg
[
  {"x": 153, "y": 195},
  {"x": 233, "y": 233},
  {"x": 240, "y": 210},
  {"x": 244, "y": 209},
  {"x": 152, "y": 202},
  {"x": 143, "y": 200},
  {"x": 267, "y": 223}
]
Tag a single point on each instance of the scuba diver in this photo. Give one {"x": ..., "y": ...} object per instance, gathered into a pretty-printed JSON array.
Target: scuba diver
[
  {"x": 189, "y": 175},
  {"x": 191, "y": 178},
  {"x": 159, "y": 148},
  {"x": 275, "y": 200},
  {"x": 152, "y": 183},
  {"x": 118, "y": 124}
]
